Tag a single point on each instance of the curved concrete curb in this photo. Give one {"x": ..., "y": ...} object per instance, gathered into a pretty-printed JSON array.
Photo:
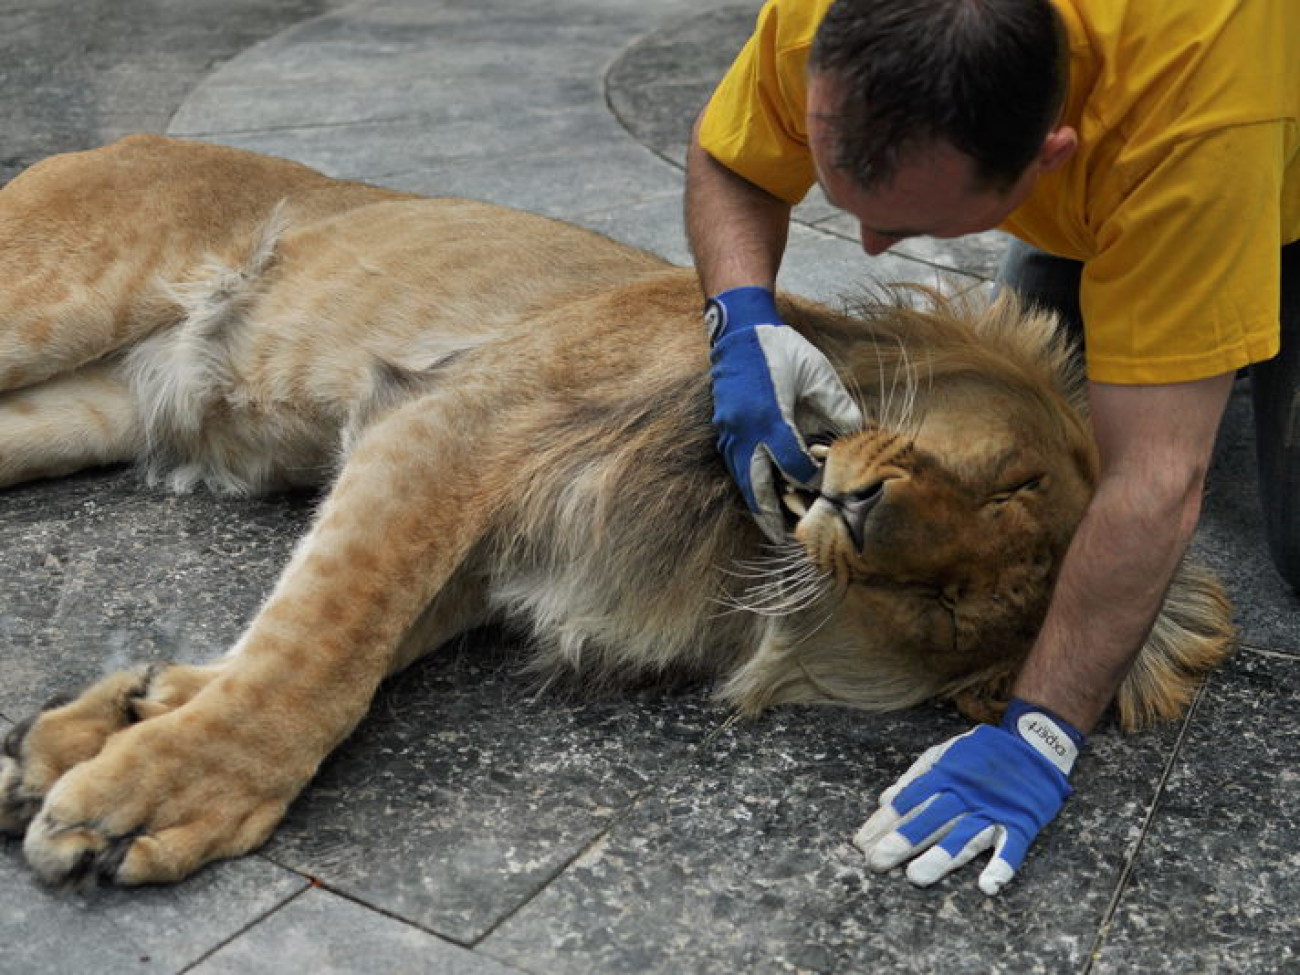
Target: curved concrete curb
[{"x": 500, "y": 100}]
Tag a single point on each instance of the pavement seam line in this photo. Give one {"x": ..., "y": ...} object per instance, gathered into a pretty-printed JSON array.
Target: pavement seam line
[
  {"x": 316, "y": 883},
  {"x": 1269, "y": 652},
  {"x": 1121, "y": 885},
  {"x": 244, "y": 929},
  {"x": 692, "y": 756}
]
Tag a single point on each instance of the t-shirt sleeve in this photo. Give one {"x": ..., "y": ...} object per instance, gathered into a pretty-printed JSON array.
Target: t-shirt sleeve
[
  {"x": 755, "y": 122},
  {"x": 1185, "y": 283}
]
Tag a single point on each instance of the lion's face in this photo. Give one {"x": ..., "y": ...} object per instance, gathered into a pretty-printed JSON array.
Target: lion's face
[
  {"x": 966, "y": 491},
  {"x": 963, "y": 518}
]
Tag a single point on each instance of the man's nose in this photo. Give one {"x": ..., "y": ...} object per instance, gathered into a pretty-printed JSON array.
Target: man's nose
[{"x": 874, "y": 243}]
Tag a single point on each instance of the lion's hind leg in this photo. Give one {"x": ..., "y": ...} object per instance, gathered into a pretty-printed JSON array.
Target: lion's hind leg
[
  {"x": 65, "y": 424},
  {"x": 81, "y": 262},
  {"x": 87, "y": 238}
]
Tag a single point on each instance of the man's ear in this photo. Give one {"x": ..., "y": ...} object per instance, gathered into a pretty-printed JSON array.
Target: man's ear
[{"x": 1058, "y": 147}]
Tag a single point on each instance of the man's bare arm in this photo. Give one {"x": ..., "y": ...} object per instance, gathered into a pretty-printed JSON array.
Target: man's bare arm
[
  {"x": 1155, "y": 443},
  {"x": 736, "y": 230}
]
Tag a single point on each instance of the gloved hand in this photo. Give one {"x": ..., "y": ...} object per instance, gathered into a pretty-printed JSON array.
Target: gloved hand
[
  {"x": 770, "y": 387},
  {"x": 991, "y": 787}
]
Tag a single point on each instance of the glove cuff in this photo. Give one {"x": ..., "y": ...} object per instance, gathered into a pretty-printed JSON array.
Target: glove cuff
[
  {"x": 740, "y": 308},
  {"x": 1051, "y": 736}
]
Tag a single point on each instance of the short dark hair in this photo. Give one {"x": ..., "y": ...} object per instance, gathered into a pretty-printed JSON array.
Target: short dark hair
[{"x": 987, "y": 76}]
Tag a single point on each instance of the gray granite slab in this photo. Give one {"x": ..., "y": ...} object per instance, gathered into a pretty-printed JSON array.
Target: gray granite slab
[
  {"x": 383, "y": 112},
  {"x": 77, "y": 74},
  {"x": 600, "y": 844},
  {"x": 98, "y": 573},
  {"x": 451, "y": 157},
  {"x": 1216, "y": 883},
  {"x": 160, "y": 929},
  {"x": 327, "y": 935},
  {"x": 566, "y": 183},
  {"x": 744, "y": 864},
  {"x": 463, "y": 794},
  {"x": 974, "y": 254},
  {"x": 830, "y": 269},
  {"x": 659, "y": 83},
  {"x": 654, "y": 224}
]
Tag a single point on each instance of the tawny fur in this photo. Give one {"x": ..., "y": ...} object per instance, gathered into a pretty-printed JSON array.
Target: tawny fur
[{"x": 514, "y": 417}]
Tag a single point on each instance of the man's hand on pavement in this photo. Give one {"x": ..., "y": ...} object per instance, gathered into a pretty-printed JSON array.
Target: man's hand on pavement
[
  {"x": 771, "y": 389},
  {"x": 991, "y": 788}
]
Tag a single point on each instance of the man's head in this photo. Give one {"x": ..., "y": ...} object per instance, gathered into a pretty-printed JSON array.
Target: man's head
[{"x": 934, "y": 116}]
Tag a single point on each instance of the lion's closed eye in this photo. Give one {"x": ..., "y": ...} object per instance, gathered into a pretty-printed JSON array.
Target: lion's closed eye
[{"x": 1033, "y": 483}]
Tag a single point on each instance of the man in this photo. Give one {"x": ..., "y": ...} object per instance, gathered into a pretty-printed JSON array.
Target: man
[{"x": 1151, "y": 151}]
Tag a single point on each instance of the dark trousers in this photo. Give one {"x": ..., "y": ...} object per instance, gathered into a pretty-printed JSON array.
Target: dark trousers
[{"x": 1053, "y": 282}]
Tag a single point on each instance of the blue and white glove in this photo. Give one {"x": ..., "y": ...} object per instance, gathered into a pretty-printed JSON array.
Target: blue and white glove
[
  {"x": 770, "y": 386},
  {"x": 993, "y": 787}
]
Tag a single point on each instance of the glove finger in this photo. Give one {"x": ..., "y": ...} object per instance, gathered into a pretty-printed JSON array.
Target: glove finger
[
  {"x": 931, "y": 822},
  {"x": 925, "y": 826},
  {"x": 968, "y": 839},
  {"x": 1008, "y": 855},
  {"x": 972, "y": 837},
  {"x": 805, "y": 381},
  {"x": 879, "y": 840},
  {"x": 763, "y": 501},
  {"x": 786, "y": 449},
  {"x": 913, "y": 794},
  {"x": 879, "y": 825},
  {"x": 825, "y": 405},
  {"x": 892, "y": 809},
  {"x": 995, "y": 876}
]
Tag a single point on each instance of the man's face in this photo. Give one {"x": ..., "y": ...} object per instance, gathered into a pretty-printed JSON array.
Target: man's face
[{"x": 933, "y": 193}]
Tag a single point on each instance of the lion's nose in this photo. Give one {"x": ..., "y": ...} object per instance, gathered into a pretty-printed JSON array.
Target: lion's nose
[{"x": 855, "y": 508}]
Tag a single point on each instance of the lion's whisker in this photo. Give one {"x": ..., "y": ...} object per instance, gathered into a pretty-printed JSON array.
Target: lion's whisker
[
  {"x": 754, "y": 569},
  {"x": 774, "y": 594},
  {"x": 787, "y": 582},
  {"x": 886, "y": 397},
  {"x": 778, "y": 593}
]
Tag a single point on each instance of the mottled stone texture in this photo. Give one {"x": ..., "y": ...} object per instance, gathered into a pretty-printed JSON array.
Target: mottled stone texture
[
  {"x": 464, "y": 795},
  {"x": 469, "y": 826},
  {"x": 744, "y": 864},
  {"x": 1215, "y": 885},
  {"x": 328, "y": 935}
]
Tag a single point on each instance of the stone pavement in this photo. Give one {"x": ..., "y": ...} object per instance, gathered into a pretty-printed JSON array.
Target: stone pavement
[{"x": 467, "y": 828}]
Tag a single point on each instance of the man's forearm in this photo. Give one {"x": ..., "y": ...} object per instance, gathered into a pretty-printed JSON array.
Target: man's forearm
[
  {"x": 1110, "y": 590},
  {"x": 737, "y": 231},
  {"x": 1156, "y": 445}
]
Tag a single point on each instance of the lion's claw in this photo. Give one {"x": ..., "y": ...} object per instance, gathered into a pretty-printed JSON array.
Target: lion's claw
[
  {"x": 16, "y": 807},
  {"x": 80, "y": 856}
]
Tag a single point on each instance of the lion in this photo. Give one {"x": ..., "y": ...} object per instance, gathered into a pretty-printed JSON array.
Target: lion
[{"x": 512, "y": 418}]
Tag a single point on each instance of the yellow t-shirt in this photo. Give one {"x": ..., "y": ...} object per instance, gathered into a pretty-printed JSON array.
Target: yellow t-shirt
[{"x": 1185, "y": 184}]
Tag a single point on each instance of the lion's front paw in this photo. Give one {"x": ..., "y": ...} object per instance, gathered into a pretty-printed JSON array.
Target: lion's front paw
[
  {"x": 70, "y": 730},
  {"x": 65, "y": 731},
  {"x": 161, "y": 799}
]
